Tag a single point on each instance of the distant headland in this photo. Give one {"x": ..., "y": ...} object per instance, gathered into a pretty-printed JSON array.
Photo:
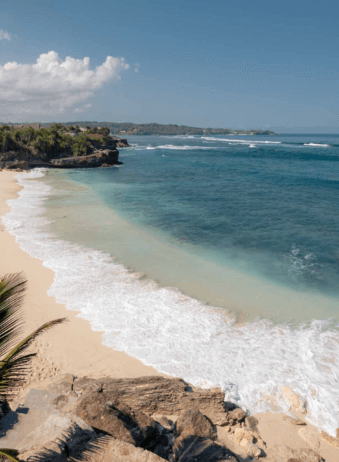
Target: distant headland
[{"x": 127, "y": 128}]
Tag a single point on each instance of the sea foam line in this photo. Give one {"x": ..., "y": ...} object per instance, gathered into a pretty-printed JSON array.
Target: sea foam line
[
  {"x": 228, "y": 140},
  {"x": 176, "y": 334}
]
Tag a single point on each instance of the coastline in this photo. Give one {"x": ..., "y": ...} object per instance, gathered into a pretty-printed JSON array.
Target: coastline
[{"x": 74, "y": 348}]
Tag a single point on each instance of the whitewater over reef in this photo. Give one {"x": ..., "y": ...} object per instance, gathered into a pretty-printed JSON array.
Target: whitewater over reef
[{"x": 239, "y": 237}]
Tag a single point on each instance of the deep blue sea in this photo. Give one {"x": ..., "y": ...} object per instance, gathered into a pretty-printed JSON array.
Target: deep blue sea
[{"x": 214, "y": 258}]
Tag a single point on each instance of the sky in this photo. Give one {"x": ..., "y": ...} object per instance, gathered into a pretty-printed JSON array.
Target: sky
[{"x": 231, "y": 64}]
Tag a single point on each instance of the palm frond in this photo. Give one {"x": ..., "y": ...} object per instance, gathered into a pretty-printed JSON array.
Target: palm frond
[
  {"x": 12, "y": 288},
  {"x": 9, "y": 454},
  {"x": 93, "y": 449},
  {"x": 24, "y": 344},
  {"x": 15, "y": 366}
]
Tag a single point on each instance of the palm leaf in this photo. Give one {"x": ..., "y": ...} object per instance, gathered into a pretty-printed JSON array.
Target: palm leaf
[
  {"x": 12, "y": 288},
  {"x": 9, "y": 454},
  {"x": 15, "y": 366}
]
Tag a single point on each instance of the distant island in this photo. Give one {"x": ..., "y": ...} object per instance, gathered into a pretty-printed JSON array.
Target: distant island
[{"x": 127, "y": 128}]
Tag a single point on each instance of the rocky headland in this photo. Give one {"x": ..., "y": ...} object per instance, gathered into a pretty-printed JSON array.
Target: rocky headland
[{"x": 26, "y": 147}]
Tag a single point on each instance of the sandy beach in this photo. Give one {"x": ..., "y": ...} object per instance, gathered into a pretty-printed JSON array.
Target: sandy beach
[{"x": 73, "y": 348}]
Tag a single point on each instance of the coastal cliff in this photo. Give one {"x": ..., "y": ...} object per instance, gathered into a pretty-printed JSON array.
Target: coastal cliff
[{"x": 25, "y": 147}]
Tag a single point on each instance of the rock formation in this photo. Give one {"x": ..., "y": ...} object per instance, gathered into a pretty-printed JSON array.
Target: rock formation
[
  {"x": 146, "y": 419},
  {"x": 97, "y": 159}
]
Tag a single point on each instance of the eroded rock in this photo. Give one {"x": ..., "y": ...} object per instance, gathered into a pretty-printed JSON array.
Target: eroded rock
[
  {"x": 194, "y": 423},
  {"x": 158, "y": 395},
  {"x": 117, "y": 418},
  {"x": 97, "y": 159}
]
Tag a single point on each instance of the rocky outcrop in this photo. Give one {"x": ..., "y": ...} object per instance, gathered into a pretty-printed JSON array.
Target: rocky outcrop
[
  {"x": 146, "y": 419},
  {"x": 120, "y": 142},
  {"x": 159, "y": 395},
  {"x": 118, "y": 419},
  {"x": 97, "y": 159}
]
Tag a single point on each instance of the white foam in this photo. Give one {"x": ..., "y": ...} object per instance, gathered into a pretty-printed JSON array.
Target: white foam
[
  {"x": 209, "y": 138},
  {"x": 179, "y": 148},
  {"x": 316, "y": 144},
  {"x": 177, "y": 334}
]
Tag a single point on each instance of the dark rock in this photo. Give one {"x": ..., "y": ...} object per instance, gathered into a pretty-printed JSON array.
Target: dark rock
[
  {"x": 97, "y": 159},
  {"x": 196, "y": 449},
  {"x": 22, "y": 165},
  {"x": 251, "y": 423},
  {"x": 193, "y": 422},
  {"x": 237, "y": 415},
  {"x": 120, "y": 142},
  {"x": 164, "y": 422},
  {"x": 117, "y": 419}
]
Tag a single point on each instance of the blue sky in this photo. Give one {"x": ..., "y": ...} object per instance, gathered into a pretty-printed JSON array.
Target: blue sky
[{"x": 237, "y": 64}]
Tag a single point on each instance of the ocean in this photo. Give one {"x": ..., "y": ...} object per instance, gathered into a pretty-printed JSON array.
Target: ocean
[{"x": 212, "y": 258}]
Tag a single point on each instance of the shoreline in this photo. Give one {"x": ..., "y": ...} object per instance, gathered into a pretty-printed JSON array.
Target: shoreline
[
  {"x": 74, "y": 348},
  {"x": 89, "y": 356}
]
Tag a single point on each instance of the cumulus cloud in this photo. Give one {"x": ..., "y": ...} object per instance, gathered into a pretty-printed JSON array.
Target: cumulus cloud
[
  {"x": 4, "y": 35},
  {"x": 136, "y": 68},
  {"x": 52, "y": 86},
  {"x": 83, "y": 108}
]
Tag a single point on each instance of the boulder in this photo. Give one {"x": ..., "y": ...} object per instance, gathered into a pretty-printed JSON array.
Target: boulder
[
  {"x": 251, "y": 423},
  {"x": 117, "y": 419},
  {"x": 237, "y": 415},
  {"x": 157, "y": 395},
  {"x": 193, "y": 422},
  {"x": 246, "y": 439}
]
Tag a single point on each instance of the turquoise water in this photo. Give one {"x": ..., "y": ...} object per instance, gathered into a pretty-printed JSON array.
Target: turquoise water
[
  {"x": 267, "y": 207},
  {"x": 211, "y": 258}
]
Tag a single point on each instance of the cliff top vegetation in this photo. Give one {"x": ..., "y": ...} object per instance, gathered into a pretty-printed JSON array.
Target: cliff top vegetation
[{"x": 52, "y": 140}]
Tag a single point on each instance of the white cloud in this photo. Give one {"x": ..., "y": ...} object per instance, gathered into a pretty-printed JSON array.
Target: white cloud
[
  {"x": 4, "y": 35},
  {"x": 82, "y": 109},
  {"x": 52, "y": 86},
  {"x": 136, "y": 68}
]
